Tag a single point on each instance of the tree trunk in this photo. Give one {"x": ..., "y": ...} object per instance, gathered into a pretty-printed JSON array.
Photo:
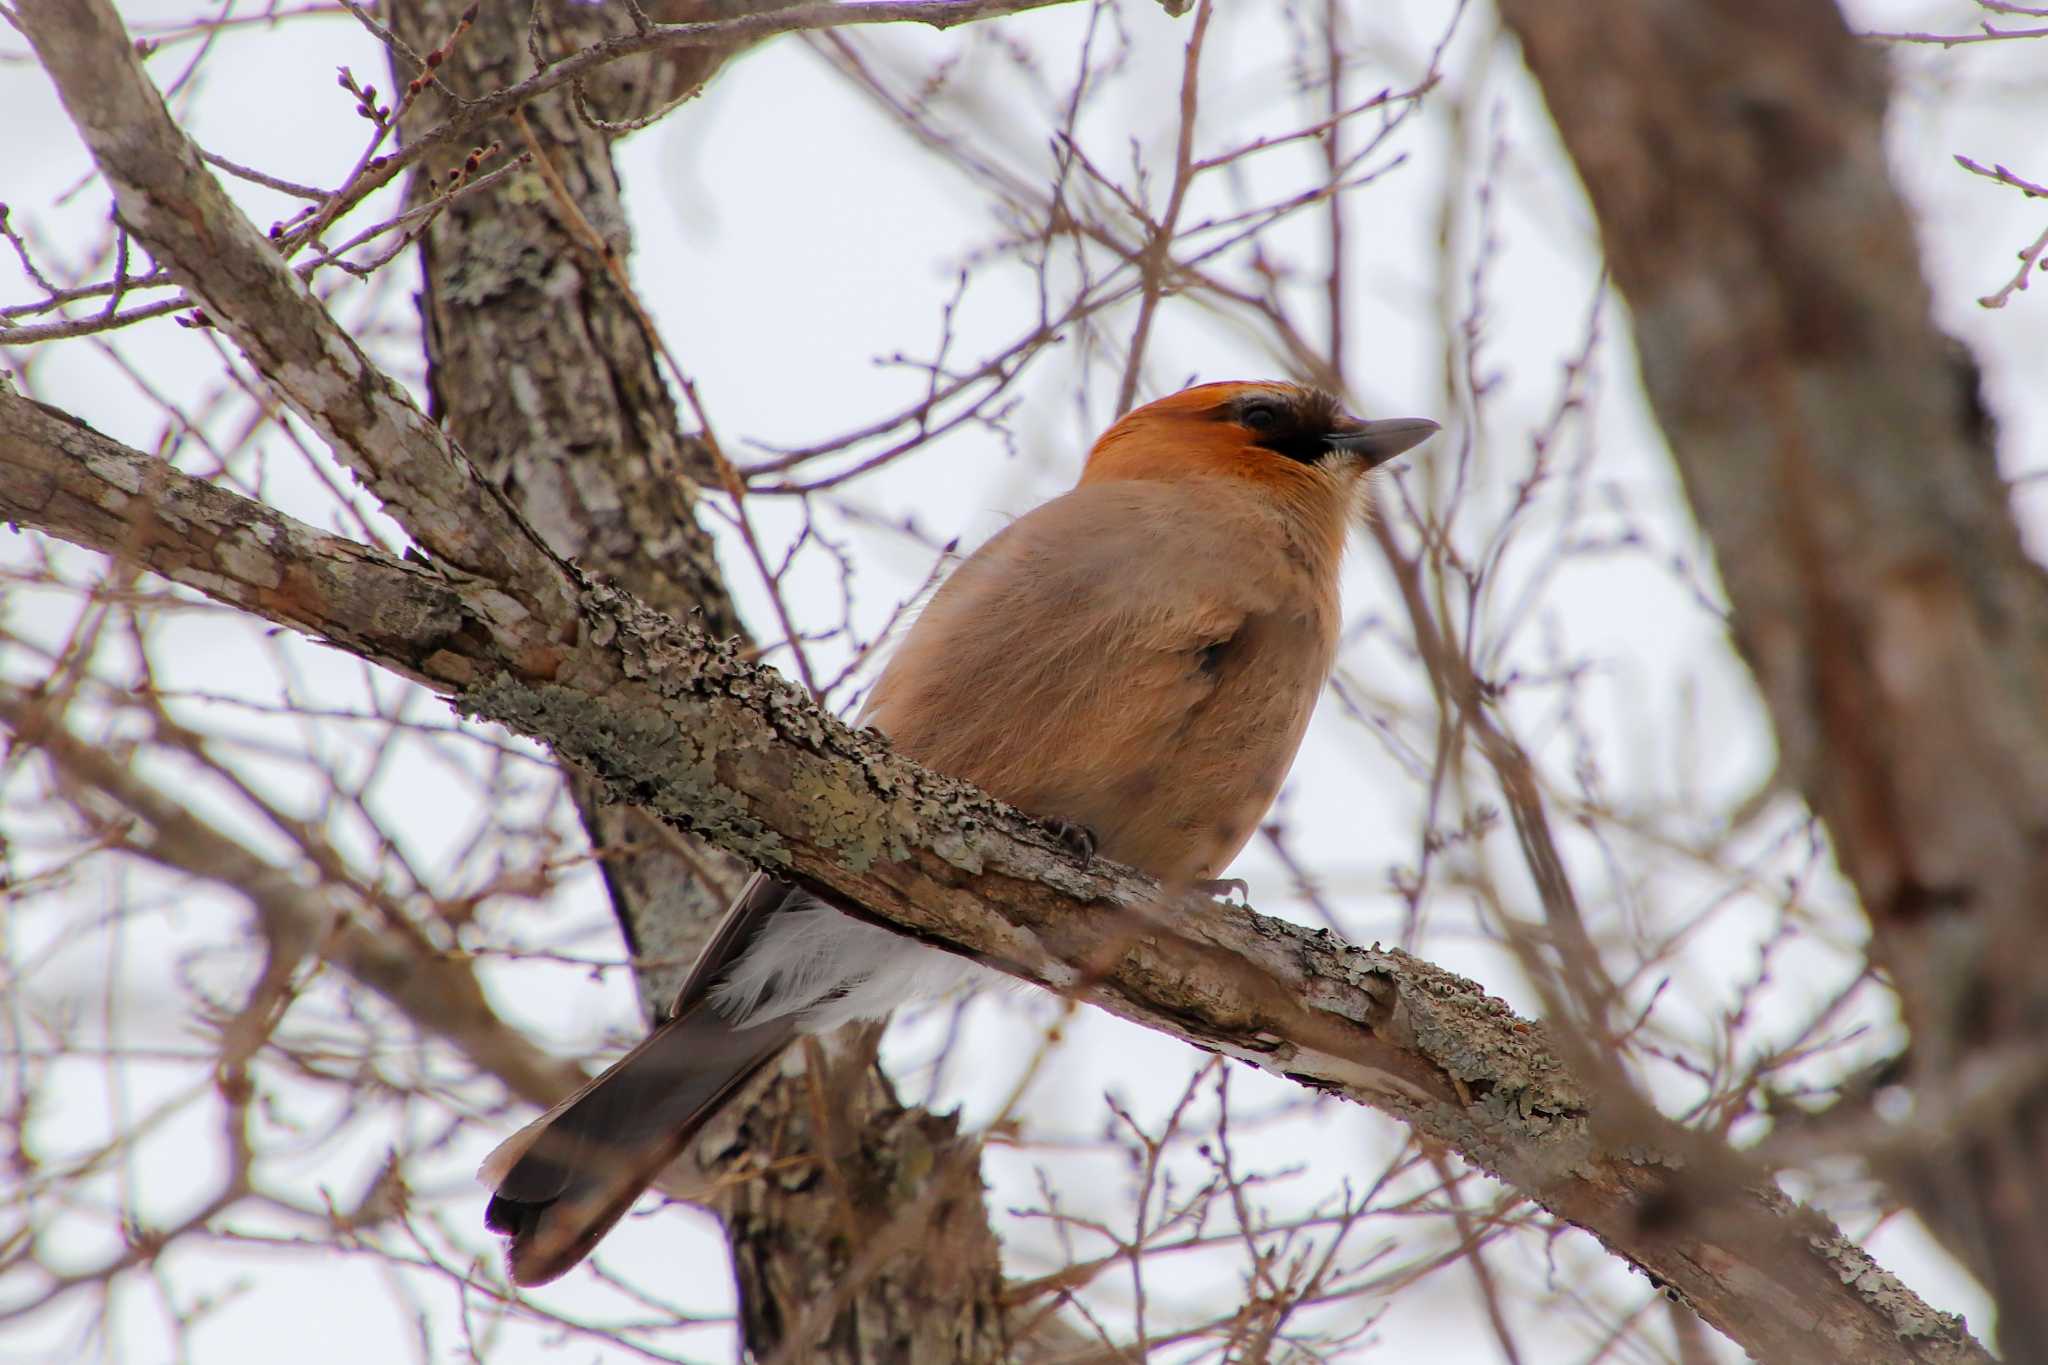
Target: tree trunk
[{"x": 540, "y": 368}]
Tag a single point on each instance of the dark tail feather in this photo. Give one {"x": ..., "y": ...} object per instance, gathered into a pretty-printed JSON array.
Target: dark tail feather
[{"x": 564, "y": 1179}]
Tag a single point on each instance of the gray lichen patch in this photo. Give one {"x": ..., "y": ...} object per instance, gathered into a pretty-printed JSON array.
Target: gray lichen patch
[
  {"x": 851, "y": 794},
  {"x": 1508, "y": 1064},
  {"x": 250, "y": 563},
  {"x": 846, "y": 821},
  {"x": 638, "y": 752},
  {"x": 1910, "y": 1317},
  {"x": 959, "y": 845}
]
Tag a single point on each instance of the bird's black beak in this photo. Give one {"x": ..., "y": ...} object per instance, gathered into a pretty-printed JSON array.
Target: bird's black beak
[{"x": 1378, "y": 442}]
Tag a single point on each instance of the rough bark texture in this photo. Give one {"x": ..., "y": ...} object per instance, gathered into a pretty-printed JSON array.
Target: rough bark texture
[
  {"x": 671, "y": 721},
  {"x": 1831, "y": 444},
  {"x": 538, "y": 364},
  {"x": 881, "y": 1255}
]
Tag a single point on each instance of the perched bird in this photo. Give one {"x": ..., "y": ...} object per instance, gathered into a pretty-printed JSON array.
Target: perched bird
[{"x": 1135, "y": 660}]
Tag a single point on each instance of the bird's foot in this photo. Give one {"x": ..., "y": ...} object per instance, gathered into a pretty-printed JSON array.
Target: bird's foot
[
  {"x": 1078, "y": 839},
  {"x": 1225, "y": 889}
]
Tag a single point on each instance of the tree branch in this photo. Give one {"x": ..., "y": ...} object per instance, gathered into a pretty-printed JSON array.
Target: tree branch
[
  {"x": 439, "y": 994},
  {"x": 170, "y": 200},
  {"x": 730, "y": 34},
  {"x": 680, "y": 725},
  {"x": 59, "y": 475},
  {"x": 535, "y": 296}
]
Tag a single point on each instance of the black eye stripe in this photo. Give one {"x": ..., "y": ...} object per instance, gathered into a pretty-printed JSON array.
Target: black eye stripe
[
  {"x": 1277, "y": 426},
  {"x": 1297, "y": 427},
  {"x": 1296, "y": 444}
]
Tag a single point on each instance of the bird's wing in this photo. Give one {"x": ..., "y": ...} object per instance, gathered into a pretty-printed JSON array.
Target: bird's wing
[{"x": 1067, "y": 664}]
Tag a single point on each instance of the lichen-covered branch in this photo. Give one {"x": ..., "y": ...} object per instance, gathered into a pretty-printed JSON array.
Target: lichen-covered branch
[
  {"x": 682, "y": 726},
  {"x": 59, "y": 475}
]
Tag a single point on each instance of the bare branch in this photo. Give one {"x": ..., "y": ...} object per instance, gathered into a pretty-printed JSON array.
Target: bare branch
[
  {"x": 60, "y": 476},
  {"x": 437, "y": 992},
  {"x": 173, "y": 204}
]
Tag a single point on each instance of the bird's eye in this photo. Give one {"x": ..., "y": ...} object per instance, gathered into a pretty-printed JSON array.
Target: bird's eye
[{"x": 1260, "y": 416}]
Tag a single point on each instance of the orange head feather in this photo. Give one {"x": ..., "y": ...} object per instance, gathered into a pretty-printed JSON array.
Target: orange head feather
[{"x": 1293, "y": 440}]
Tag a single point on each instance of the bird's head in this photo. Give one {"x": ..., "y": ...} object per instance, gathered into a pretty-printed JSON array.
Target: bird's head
[{"x": 1295, "y": 440}]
